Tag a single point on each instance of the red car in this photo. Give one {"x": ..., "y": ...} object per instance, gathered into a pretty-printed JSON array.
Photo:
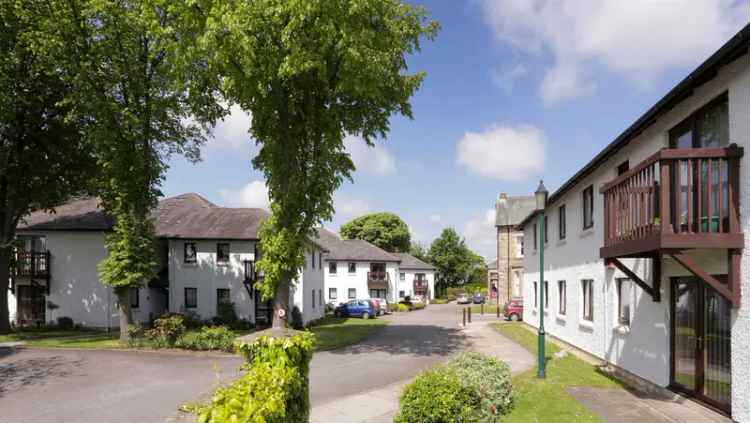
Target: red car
[{"x": 514, "y": 310}]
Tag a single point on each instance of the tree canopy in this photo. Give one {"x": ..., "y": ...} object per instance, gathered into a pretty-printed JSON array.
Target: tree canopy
[
  {"x": 454, "y": 260},
  {"x": 385, "y": 230}
]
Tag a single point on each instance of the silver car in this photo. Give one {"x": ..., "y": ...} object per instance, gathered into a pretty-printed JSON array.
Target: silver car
[{"x": 463, "y": 299}]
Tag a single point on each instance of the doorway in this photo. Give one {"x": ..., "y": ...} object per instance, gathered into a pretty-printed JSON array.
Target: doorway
[
  {"x": 31, "y": 304},
  {"x": 701, "y": 342}
]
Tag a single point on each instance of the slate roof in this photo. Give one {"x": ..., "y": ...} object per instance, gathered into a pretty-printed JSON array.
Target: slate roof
[
  {"x": 184, "y": 216},
  {"x": 510, "y": 211},
  {"x": 408, "y": 261},
  {"x": 351, "y": 249}
]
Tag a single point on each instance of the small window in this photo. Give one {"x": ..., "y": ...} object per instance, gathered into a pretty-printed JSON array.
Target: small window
[
  {"x": 561, "y": 221},
  {"x": 352, "y": 267},
  {"x": 332, "y": 268},
  {"x": 320, "y": 297},
  {"x": 402, "y": 276},
  {"x": 624, "y": 301},
  {"x": 191, "y": 297},
  {"x": 332, "y": 294},
  {"x": 623, "y": 167},
  {"x": 222, "y": 297},
  {"x": 190, "y": 253},
  {"x": 320, "y": 259},
  {"x": 588, "y": 207},
  {"x": 519, "y": 246},
  {"x": 546, "y": 295},
  {"x": 352, "y": 293},
  {"x": 561, "y": 298},
  {"x": 587, "y": 286},
  {"x": 312, "y": 257},
  {"x": 222, "y": 252},
  {"x": 401, "y": 294},
  {"x": 313, "y": 299},
  {"x": 135, "y": 300},
  {"x": 535, "y": 235},
  {"x": 536, "y": 296}
]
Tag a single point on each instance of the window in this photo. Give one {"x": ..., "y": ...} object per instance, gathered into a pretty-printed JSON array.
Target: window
[
  {"x": 352, "y": 293},
  {"x": 561, "y": 222},
  {"x": 402, "y": 276},
  {"x": 546, "y": 295},
  {"x": 519, "y": 246},
  {"x": 536, "y": 296},
  {"x": 377, "y": 293},
  {"x": 587, "y": 286},
  {"x": 332, "y": 294},
  {"x": 190, "y": 253},
  {"x": 320, "y": 259},
  {"x": 352, "y": 267},
  {"x": 535, "y": 230},
  {"x": 312, "y": 257},
  {"x": 222, "y": 297},
  {"x": 546, "y": 230},
  {"x": 623, "y": 167},
  {"x": 320, "y": 297},
  {"x": 401, "y": 294},
  {"x": 707, "y": 127},
  {"x": 313, "y": 299},
  {"x": 561, "y": 298},
  {"x": 588, "y": 207},
  {"x": 222, "y": 252},
  {"x": 134, "y": 297},
  {"x": 332, "y": 269},
  {"x": 624, "y": 300},
  {"x": 191, "y": 297}
]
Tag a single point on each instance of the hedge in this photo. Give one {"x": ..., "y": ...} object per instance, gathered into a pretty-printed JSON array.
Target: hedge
[{"x": 274, "y": 387}]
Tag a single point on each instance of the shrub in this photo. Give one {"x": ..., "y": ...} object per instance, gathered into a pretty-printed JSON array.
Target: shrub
[
  {"x": 136, "y": 334},
  {"x": 225, "y": 315},
  {"x": 65, "y": 323},
  {"x": 274, "y": 387},
  {"x": 440, "y": 301},
  {"x": 437, "y": 396},
  {"x": 208, "y": 338},
  {"x": 242, "y": 324},
  {"x": 167, "y": 330},
  {"x": 454, "y": 292},
  {"x": 296, "y": 320},
  {"x": 398, "y": 308},
  {"x": 419, "y": 306},
  {"x": 489, "y": 377}
]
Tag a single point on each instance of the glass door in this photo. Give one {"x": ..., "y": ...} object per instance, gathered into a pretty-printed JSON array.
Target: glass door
[{"x": 685, "y": 334}]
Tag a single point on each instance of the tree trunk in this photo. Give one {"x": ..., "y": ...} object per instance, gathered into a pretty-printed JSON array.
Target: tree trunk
[
  {"x": 126, "y": 316},
  {"x": 4, "y": 281},
  {"x": 281, "y": 302}
]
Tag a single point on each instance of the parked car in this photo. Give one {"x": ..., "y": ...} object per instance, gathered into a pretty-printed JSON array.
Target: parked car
[
  {"x": 462, "y": 299},
  {"x": 514, "y": 310},
  {"x": 407, "y": 301},
  {"x": 356, "y": 308},
  {"x": 380, "y": 306},
  {"x": 478, "y": 298}
]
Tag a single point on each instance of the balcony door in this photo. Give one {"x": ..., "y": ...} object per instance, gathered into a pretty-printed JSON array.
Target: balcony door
[{"x": 701, "y": 342}]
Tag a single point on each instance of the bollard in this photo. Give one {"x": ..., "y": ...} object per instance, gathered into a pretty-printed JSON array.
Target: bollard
[
  {"x": 464, "y": 314},
  {"x": 469, "y": 312},
  {"x": 498, "y": 311}
]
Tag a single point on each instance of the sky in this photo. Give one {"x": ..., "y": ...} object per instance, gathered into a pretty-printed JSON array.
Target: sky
[{"x": 516, "y": 91}]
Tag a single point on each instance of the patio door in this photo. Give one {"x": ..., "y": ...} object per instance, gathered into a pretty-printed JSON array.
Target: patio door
[
  {"x": 701, "y": 354},
  {"x": 31, "y": 304}
]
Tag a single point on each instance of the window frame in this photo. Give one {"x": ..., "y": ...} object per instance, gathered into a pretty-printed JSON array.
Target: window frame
[
  {"x": 185, "y": 294},
  {"x": 402, "y": 276},
  {"x": 588, "y": 207},
  {"x": 546, "y": 230},
  {"x": 693, "y": 122},
  {"x": 320, "y": 297},
  {"x": 545, "y": 286},
  {"x": 335, "y": 293},
  {"x": 349, "y": 268},
  {"x": 624, "y": 320},
  {"x": 535, "y": 229},
  {"x": 219, "y": 259},
  {"x": 218, "y": 297},
  {"x": 562, "y": 298},
  {"x": 587, "y": 299},
  {"x": 333, "y": 268},
  {"x": 313, "y": 299},
  {"x": 349, "y": 293},
  {"x": 185, "y": 250},
  {"x": 561, "y": 223},
  {"x": 137, "y": 303},
  {"x": 312, "y": 257},
  {"x": 536, "y": 295}
]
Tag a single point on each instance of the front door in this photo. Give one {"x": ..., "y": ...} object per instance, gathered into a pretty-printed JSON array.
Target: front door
[
  {"x": 701, "y": 360},
  {"x": 31, "y": 304}
]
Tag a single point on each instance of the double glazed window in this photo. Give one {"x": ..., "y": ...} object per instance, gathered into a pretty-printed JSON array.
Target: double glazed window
[
  {"x": 134, "y": 297},
  {"x": 587, "y": 294},
  {"x": 191, "y": 297},
  {"x": 535, "y": 236},
  {"x": 313, "y": 299},
  {"x": 536, "y": 296},
  {"x": 546, "y": 229},
  {"x": 352, "y": 267},
  {"x": 332, "y": 294},
  {"x": 561, "y": 298},
  {"x": 546, "y": 295},
  {"x": 332, "y": 267},
  {"x": 352, "y": 293},
  {"x": 624, "y": 301},
  {"x": 561, "y": 222},
  {"x": 222, "y": 252},
  {"x": 190, "y": 254},
  {"x": 588, "y": 207}
]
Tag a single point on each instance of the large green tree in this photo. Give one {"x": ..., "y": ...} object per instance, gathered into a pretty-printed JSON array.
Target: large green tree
[
  {"x": 43, "y": 160},
  {"x": 385, "y": 230},
  {"x": 310, "y": 72},
  {"x": 453, "y": 258},
  {"x": 144, "y": 96}
]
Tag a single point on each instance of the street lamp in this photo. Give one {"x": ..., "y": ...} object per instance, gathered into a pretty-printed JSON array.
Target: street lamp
[{"x": 541, "y": 203}]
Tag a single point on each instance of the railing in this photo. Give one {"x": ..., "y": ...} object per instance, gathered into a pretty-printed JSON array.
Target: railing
[
  {"x": 675, "y": 191},
  {"x": 420, "y": 284},
  {"x": 31, "y": 264},
  {"x": 377, "y": 276}
]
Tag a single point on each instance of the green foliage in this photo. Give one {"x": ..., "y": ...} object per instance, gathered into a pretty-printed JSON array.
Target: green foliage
[
  {"x": 208, "y": 338},
  {"x": 438, "y": 396},
  {"x": 419, "y": 251},
  {"x": 384, "y": 230},
  {"x": 131, "y": 254},
  {"x": 454, "y": 260},
  {"x": 296, "y": 320},
  {"x": 225, "y": 315},
  {"x": 489, "y": 377},
  {"x": 419, "y": 306},
  {"x": 399, "y": 308},
  {"x": 166, "y": 331},
  {"x": 470, "y": 387},
  {"x": 274, "y": 388},
  {"x": 439, "y": 301},
  {"x": 136, "y": 335},
  {"x": 65, "y": 323}
]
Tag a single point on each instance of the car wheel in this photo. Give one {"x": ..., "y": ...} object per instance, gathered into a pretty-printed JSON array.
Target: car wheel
[
  {"x": 365, "y": 315},
  {"x": 513, "y": 317}
]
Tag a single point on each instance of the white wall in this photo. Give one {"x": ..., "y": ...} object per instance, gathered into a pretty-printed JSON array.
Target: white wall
[
  {"x": 207, "y": 276},
  {"x": 343, "y": 280},
  {"x": 643, "y": 348},
  {"x": 407, "y": 285},
  {"x": 307, "y": 291}
]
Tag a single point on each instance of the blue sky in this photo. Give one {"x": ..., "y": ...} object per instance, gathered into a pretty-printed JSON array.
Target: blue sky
[{"x": 516, "y": 90}]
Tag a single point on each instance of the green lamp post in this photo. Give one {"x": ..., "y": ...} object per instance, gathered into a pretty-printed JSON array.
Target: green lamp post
[{"x": 541, "y": 203}]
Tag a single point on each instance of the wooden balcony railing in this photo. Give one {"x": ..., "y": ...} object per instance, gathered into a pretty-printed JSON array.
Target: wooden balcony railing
[
  {"x": 31, "y": 264},
  {"x": 675, "y": 199},
  {"x": 420, "y": 284},
  {"x": 377, "y": 276}
]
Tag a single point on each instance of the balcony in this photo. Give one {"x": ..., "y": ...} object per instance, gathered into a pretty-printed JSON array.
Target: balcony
[
  {"x": 31, "y": 265},
  {"x": 420, "y": 285},
  {"x": 377, "y": 280},
  {"x": 676, "y": 199}
]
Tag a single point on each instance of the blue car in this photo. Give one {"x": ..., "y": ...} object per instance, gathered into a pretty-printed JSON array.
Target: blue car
[{"x": 356, "y": 308}]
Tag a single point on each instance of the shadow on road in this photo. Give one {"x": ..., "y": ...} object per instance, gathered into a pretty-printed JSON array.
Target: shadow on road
[
  {"x": 420, "y": 340},
  {"x": 18, "y": 374}
]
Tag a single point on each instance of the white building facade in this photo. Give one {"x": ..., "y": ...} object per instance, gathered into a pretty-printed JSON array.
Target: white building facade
[
  {"x": 415, "y": 278},
  {"x": 645, "y": 255}
]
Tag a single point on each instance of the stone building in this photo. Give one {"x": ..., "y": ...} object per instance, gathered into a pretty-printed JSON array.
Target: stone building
[{"x": 504, "y": 275}]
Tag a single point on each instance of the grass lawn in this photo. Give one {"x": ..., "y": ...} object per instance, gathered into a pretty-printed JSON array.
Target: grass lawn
[
  {"x": 65, "y": 339},
  {"x": 335, "y": 332},
  {"x": 546, "y": 400}
]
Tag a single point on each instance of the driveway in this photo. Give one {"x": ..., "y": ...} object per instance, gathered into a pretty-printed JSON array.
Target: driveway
[{"x": 125, "y": 386}]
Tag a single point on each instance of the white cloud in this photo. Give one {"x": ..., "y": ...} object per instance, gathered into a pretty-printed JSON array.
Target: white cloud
[
  {"x": 481, "y": 235},
  {"x": 254, "y": 194},
  {"x": 503, "y": 152},
  {"x": 232, "y": 132},
  {"x": 435, "y": 218},
  {"x": 348, "y": 207},
  {"x": 506, "y": 78},
  {"x": 375, "y": 160},
  {"x": 636, "y": 39}
]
